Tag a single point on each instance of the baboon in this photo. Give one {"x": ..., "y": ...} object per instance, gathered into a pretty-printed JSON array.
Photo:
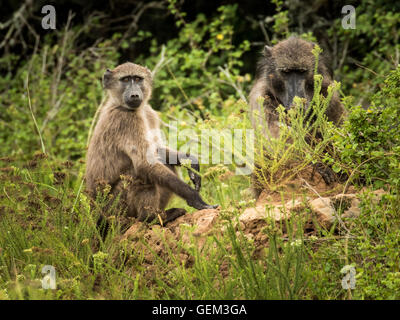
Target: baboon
[
  {"x": 283, "y": 72},
  {"x": 126, "y": 151}
]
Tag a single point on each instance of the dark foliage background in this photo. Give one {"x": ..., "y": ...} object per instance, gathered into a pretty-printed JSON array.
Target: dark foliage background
[{"x": 318, "y": 17}]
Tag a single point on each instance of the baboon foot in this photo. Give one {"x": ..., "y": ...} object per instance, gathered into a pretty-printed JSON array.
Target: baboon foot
[
  {"x": 343, "y": 177},
  {"x": 199, "y": 204},
  {"x": 172, "y": 214},
  {"x": 196, "y": 179},
  {"x": 326, "y": 173}
]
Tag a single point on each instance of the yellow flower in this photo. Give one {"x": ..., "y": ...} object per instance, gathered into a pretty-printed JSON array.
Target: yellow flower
[{"x": 220, "y": 36}]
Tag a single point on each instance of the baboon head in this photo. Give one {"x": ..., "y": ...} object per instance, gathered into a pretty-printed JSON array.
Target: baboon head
[
  {"x": 289, "y": 71},
  {"x": 129, "y": 85}
]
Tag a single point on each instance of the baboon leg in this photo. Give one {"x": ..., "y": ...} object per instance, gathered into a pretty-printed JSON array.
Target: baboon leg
[
  {"x": 143, "y": 202},
  {"x": 172, "y": 214},
  {"x": 171, "y": 158},
  {"x": 149, "y": 206},
  {"x": 165, "y": 196},
  {"x": 159, "y": 174}
]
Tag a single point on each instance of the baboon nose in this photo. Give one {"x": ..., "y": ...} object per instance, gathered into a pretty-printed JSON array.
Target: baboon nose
[{"x": 134, "y": 96}]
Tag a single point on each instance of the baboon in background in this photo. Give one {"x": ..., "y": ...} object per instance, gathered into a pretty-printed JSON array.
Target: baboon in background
[
  {"x": 283, "y": 72},
  {"x": 126, "y": 150}
]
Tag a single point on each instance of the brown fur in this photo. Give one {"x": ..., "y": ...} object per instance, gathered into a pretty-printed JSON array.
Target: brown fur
[
  {"x": 291, "y": 55},
  {"x": 123, "y": 152}
]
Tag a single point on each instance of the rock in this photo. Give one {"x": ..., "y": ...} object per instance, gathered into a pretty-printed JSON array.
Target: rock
[
  {"x": 276, "y": 211},
  {"x": 193, "y": 228},
  {"x": 252, "y": 214},
  {"x": 261, "y": 213},
  {"x": 295, "y": 205},
  {"x": 133, "y": 232},
  {"x": 378, "y": 194},
  {"x": 324, "y": 210},
  {"x": 205, "y": 220},
  {"x": 354, "y": 210},
  {"x": 263, "y": 198}
]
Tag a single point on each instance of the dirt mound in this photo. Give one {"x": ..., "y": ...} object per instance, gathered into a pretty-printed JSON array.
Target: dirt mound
[
  {"x": 307, "y": 182},
  {"x": 161, "y": 240},
  {"x": 318, "y": 205}
]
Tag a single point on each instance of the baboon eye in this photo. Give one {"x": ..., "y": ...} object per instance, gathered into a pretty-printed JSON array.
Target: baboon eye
[
  {"x": 137, "y": 79},
  {"x": 287, "y": 70},
  {"x": 125, "y": 79}
]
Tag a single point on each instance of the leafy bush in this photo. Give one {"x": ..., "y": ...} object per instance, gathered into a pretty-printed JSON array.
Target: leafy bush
[
  {"x": 49, "y": 103},
  {"x": 200, "y": 68},
  {"x": 371, "y": 138},
  {"x": 370, "y": 51}
]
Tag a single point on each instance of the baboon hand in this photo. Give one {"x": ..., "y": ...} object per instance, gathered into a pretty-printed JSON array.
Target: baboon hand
[
  {"x": 199, "y": 204},
  {"x": 326, "y": 173},
  {"x": 196, "y": 179}
]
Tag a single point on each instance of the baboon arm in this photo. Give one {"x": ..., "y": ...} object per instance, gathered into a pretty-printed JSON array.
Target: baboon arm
[
  {"x": 173, "y": 157},
  {"x": 159, "y": 174},
  {"x": 336, "y": 112},
  {"x": 256, "y": 110},
  {"x": 261, "y": 114}
]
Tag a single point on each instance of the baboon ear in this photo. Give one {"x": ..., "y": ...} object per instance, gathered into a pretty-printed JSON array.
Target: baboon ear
[
  {"x": 149, "y": 73},
  {"x": 107, "y": 77},
  {"x": 267, "y": 51}
]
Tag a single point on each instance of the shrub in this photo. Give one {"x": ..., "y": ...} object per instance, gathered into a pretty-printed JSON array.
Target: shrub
[{"x": 370, "y": 142}]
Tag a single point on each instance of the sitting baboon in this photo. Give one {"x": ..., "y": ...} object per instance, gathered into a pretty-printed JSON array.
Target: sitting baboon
[
  {"x": 126, "y": 151},
  {"x": 283, "y": 72}
]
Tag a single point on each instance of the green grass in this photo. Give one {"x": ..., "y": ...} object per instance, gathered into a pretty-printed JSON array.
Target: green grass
[
  {"x": 42, "y": 226},
  {"x": 46, "y": 219}
]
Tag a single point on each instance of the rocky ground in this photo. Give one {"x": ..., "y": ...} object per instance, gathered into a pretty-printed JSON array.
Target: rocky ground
[{"x": 320, "y": 206}]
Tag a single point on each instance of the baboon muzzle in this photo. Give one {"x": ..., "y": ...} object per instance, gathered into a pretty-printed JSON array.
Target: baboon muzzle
[
  {"x": 133, "y": 96},
  {"x": 295, "y": 87}
]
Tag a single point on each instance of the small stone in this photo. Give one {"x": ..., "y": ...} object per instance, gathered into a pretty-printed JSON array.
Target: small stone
[
  {"x": 205, "y": 220},
  {"x": 354, "y": 210},
  {"x": 133, "y": 232},
  {"x": 324, "y": 211}
]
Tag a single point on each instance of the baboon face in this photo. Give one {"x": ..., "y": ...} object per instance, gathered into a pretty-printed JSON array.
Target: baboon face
[
  {"x": 289, "y": 69},
  {"x": 129, "y": 84},
  {"x": 288, "y": 83}
]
